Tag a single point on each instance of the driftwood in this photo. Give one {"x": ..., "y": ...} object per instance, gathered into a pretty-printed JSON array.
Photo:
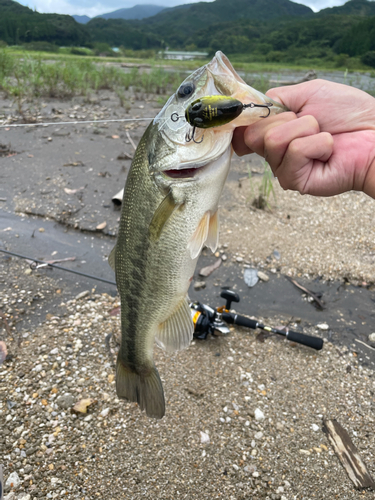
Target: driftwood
[
  {"x": 310, "y": 75},
  {"x": 306, "y": 290},
  {"x": 348, "y": 455}
]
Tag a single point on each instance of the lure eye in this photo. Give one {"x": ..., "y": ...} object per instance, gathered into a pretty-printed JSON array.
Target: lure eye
[{"x": 186, "y": 90}]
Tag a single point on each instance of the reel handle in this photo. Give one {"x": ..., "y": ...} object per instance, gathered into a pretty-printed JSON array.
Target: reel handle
[{"x": 230, "y": 297}]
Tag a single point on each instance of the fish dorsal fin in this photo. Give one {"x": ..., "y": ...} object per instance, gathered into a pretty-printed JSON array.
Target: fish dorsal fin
[
  {"x": 161, "y": 216},
  {"x": 199, "y": 237},
  {"x": 177, "y": 331},
  {"x": 212, "y": 240},
  {"x": 112, "y": 258}
]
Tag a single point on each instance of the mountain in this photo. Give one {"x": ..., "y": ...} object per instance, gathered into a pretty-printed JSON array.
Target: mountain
[
  {"x": 82, "y": 19},
  {"x": 19, "y": 24},
  {"x": 363, "y": 8},
  {"x": 136, "y": 12},
  {"x": 177, "y": 24}
]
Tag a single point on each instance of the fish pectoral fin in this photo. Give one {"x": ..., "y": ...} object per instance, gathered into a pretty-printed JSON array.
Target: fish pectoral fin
[
  {"x": 199, "y": 237},
  {"x": 145, "y": 389},
  {"x": 176, "y": 332},
  {"x": 161, "y": 216},
  {"x": 112, "y": 258},
  {"x": 212, "y": 240}
]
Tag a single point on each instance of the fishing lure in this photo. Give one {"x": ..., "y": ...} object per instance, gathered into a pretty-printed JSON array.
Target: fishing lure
[{"x": 216, "y": 110}]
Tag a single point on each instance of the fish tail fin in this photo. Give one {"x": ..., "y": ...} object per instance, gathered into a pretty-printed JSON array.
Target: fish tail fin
[{"x": 146, "y": 390}]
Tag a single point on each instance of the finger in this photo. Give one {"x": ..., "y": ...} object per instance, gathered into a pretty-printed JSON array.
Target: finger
[
  {"x": 295, "y": 97},
  {"x": 302, "y": 168},
  {"x": 277, "y": 139},
  {"x": 255, "y": 133},
  {"x": 238, "y": 142}
]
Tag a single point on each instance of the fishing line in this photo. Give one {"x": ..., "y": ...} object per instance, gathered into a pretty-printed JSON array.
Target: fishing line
[
  {"x": 47, "y": 124},
  {"x": 58, "y": 267}
]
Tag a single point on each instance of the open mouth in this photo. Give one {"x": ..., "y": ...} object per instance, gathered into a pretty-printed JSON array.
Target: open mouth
[{"x": 183, "y": 173}]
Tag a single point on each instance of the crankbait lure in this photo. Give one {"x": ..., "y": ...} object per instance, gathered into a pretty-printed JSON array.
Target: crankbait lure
[{"x": 216, "y": 110}]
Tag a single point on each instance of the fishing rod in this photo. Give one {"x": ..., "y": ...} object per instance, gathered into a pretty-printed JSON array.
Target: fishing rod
[
  {"x": 208, "y": 320},
  {"x": 60, "y": 268}
]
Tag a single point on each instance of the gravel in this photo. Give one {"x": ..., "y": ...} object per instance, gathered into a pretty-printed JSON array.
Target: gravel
[
  {"x": 243, "y": 418},
  {"x": 243, "y": 414}
]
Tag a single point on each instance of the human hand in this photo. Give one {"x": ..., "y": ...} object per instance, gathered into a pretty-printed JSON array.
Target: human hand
[{"x": 324, "y": 146}]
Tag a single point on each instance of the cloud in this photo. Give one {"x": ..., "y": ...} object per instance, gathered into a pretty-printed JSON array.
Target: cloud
[{"x": 317, "y": 5}]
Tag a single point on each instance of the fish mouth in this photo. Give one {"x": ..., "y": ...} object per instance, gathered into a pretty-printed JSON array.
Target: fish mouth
[{"x": 183, "y": 173}]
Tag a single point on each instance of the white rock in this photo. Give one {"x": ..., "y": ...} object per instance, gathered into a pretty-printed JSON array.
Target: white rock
[
  {"x": 54, "y": 351},
  {"x": 263, "y": 276},
  {"x": 38, "y": 368},
  {"x": 315, "y": 427},
  {"x": 24, "y": 496},
  {"x": 205, "y": 438},
  {"x": 259, "y": 415},
  {"x": 258, "y": 435},
  {"x": 104, "y": 412},
  {"x": 371, "y": 337},
  {"x": 13, "y": 481},
  {"x": 322, "y": 326}
]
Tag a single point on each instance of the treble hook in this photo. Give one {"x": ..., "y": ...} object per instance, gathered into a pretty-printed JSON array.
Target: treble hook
[
  {"x": 189, "y": 138},
  {"x": 253, "y": 105}
]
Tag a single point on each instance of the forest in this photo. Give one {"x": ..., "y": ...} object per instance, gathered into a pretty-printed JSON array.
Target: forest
[{"x": 257, "y": 30}]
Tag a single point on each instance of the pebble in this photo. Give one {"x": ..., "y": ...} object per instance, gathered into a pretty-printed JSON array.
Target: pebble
[
  {"x": 239, "y": 259},
  {"x": 205, "y": 438},
  {"x": 66, "y": 401},
  {"x": 263, "y": 276},
  {"x": 199, "y": 285},
  {"x": 315, "y": 427},
  {"x": 13, "y": 481},
  {"x": 258, "y": 435},
  {"x": 259, "y": 415},
  {"x": 322, "y": 326},
  {"x": 371, "y": 337},
  {"x": 82, "y": 295}
]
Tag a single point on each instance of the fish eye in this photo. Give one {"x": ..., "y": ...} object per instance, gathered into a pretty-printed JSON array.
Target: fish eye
[{"x": 185, "y": 90}]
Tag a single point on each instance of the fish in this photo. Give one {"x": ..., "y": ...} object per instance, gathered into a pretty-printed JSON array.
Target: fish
[{"x": 169, "y": 213}]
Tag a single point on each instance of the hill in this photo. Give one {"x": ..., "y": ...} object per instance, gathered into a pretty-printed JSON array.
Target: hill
[
  {"x": 179, "y": 23},
  {"x": 81, "y": 19},
  {"x": 363, "y": 8},
  {"x": 19, "y": 24},
  {"x": 136, "y": 12}
]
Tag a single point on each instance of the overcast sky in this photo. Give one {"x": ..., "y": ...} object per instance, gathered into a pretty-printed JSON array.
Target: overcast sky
[{"x": 93, "y": 8}]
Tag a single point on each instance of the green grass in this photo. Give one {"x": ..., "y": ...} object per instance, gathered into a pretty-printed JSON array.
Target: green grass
[
  {"x": 30, "y": 77},
  {"x": 25, "y": 76}
]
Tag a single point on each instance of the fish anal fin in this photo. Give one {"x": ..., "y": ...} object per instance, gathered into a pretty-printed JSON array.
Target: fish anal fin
[
  {"x": 161, "y": 216},
  {"x": 176, "y": 332},
  {"x": 112, "y": 258},
  {"x": 199, "y": 236},
  {"x": 145, "y": 389},
  {"x": 212, "y": 240}
]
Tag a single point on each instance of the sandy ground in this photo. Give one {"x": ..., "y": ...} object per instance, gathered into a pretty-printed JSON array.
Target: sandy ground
[{"x": 244, "y": 413}]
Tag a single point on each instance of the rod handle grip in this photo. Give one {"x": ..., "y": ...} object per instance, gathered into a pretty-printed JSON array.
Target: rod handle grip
[
  {"x": 235, "y": 319},
  {"x": 300, "y": 338}
]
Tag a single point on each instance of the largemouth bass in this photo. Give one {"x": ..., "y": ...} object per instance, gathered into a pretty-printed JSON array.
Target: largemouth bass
[{"x": 169, "y": 213}]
